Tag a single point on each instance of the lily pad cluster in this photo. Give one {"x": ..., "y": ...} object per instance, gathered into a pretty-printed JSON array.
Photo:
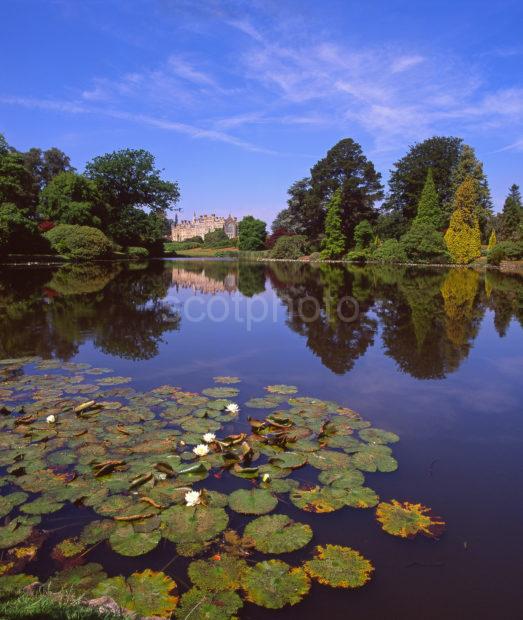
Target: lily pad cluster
[{"x": 134, "y": 463}]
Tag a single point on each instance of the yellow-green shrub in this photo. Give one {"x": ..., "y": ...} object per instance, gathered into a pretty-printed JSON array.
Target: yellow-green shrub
[{"x": 463, "y": 237}]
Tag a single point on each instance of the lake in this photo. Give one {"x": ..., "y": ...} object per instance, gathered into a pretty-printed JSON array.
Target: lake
[{"x": 433, "y": 355}]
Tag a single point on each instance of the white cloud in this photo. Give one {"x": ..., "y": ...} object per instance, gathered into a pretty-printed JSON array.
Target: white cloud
[{"x": 406, "y": 62}]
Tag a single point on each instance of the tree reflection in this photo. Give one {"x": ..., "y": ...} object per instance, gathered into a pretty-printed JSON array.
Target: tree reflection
[
  {"x": 312, "y": 297},
  {"x": 119, "y": 306}
]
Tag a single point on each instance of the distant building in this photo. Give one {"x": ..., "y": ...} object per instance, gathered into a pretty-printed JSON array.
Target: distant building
[{"x": 203, "y": 224}]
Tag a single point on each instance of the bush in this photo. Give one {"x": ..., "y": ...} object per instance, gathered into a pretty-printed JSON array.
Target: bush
[
  {"x": 424, "y": 244},
  {"x": 252, "y": 234},
  {"x": 19, "y": 234},
  {"x": 216, "y": 239},
  {"x": 390, "y": 251},
  {"x": 291, "y": 247},
  {"x": 137, "y": 252},
  {"x": 315, "y": 256},
  {"x": 363, "y": 234},
  {"x": 505, "y": 250},
  {"x": 79, "y": 242},
  {"x": 359, "y": 255}
]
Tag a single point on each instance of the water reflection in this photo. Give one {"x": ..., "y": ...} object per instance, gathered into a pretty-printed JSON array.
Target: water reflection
[{"x": 426, "y": 320}]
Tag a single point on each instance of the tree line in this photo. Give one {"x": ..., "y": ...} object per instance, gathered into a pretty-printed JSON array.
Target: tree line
[{"x": 437, "y": 208}]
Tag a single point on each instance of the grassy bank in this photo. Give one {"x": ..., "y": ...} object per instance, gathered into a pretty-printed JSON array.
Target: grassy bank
[
  {"x": 207, "y": 252},
  {"x": 50, "y": 607}
]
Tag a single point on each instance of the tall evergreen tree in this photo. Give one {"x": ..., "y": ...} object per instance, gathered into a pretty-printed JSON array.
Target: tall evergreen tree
[
  {"x": 429, "y": 209},
  {"x": 468, "y": 165},
  {"x": 512, "y": 214},
  {"x": 408, "y": 176},
  {"x": 333, "y": 245},
  {"x": 463, "y": 237}
]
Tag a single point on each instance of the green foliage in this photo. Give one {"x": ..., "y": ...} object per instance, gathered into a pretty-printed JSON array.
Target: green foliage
[
  {"x": 429, "y": 209},
  {"x": 252, "y": 234},
  {"x": 492, "y": 241},
  {"x": 51, "y": 607},
  {"x": 390, "y": 251},
  {"x": 505, "y": 250},
  {"x": 134, "y": 227},
  {"x": 333, "y": 244},
  {"x": 511, "y": 217},
  {"x": 291, "y": 247},
  {"x": 469, "y": 166},
  {"x": 217, "y": 239},
  {"x": 423, "y": 243},
  {"x": 359, "y": 255},
  {"x": 71, "y": 198},
  {"x": 463, "y": 237},
  {"x": 363, "y": 235},
  {"x": 137, "y": 252},
  {"x": 19, "y": 234},
  {"x": 79, "y": 242},
  {"x": 440, "y": 154},
  {"x": 16, "y": 183}
]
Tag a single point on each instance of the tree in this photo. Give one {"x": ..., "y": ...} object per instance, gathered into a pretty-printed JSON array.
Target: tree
[
  {"x": 19, "y": 234},
  {"x": 129, "y": 178},
  {"x": 4, "y": 146},
  {"x": 512, "y": 214},
  {"x": 346, "y": 168},
  {"x": 468, "y": 165},
  {"x": 16, "y": 183},
  {"x": 492, "y": 240},
  {"x": 333, "y": 245},
  {"x": 463, "y": 237},
  {"x": 71, "y": 198},
  {"x": 363, "y": 235},
  {"x": 409, "y": 174},
  {"x": 54, "y": 162},
  {"x": 423, "y": 243},
  {"x": 252, "y": 234},
  {"x": 134, "y": 227},
  {"x": 429, "y": 209}
]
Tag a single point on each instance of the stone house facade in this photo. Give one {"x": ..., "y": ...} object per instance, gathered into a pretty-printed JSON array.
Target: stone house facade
[{"x": 203, "y": 224}]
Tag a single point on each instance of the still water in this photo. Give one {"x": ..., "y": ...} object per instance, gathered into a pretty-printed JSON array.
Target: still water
[{"x": 435, "y": 356}]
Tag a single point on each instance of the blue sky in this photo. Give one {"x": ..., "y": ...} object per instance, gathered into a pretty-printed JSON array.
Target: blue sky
[{"x": 238, "y": 99}]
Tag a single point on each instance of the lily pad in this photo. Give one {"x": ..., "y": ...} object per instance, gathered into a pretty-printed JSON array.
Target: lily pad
[
  {"x": 375, "y": 458},
  {"x": 41, "y": 506},
  {"x": 339, "y": 567},
  {"x": 14, "y": 533},
  {"x": 184, "y": 524},
  {"x": 274, "y": 584},
  {"x": 226, "y": 380},
  {"x": 96, "y": 531},
  {"x": 328, "y": 459},
  {"x": 147, "y": 593},
  {"x": 378, "y": 436},
  {"x": 361, "y": 497},
  {"x": 278, "y": 534},
  {"x": 221, "y": 392},
  {"x": 12, "y": 584},
  {"x": 318, "y": 499},
  {"x": 68, "y": 548},
  {"x": 222, "y": 572},
  {"x": 289, "y": 460},
  {"x": 342, "y": 479},
  {"x": 406, "y": 520},
  {"x": 282, "y": 389},
  {"x": 199, "y": 604},
  {"x": 79, "y": 580},
  {"x": 125, "y": 540},
  {"x": 265, "y": 402},
  {"x": 252, "y": 502},
  {"x": 9, "y": 502}
]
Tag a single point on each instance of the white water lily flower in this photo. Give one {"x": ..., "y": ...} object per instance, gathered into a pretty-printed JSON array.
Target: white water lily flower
[
  {"x": 266, "y": 477},
  {"x": 201, "y": 449},
  {"x": 192, "y": 498},
  {"x": 232, "y": 408},
  {"x": 50, "y": 419},
  {"x": 161, "y": 476},
  {"x": 209, "y": 437}
]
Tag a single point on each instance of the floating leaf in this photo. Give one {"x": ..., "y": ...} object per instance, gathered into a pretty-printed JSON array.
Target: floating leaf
[
  {"x": 96, "y": 531},
  {"x": 328, "y": 459},
  {"x": 68, "y": 548},
  {"x": 339, "y": 567},
  {"x": 282, "y": 389},
  {"x": 42, "y": 505},
  {"x": 114, "y": 380},
  {"x": 199, "y": 604},
  {"x": 375, "y": 458},
  {"x": 278, "y": 534},
  {"x": 265, "y": 402},
  {"x": 184, "y": 524},
  {"x": 378, "y": 436},
  {"x": 125, "y": 540},
  {"x": 147, "y": 593},
  {"x": 220, "y": 573},
  {"x": 9, "y": 502},
  {"x": 14, "y": 533},
  {"x": 407, "y": 520},
  {"x": 12, "y": 584},
  {"x": 342, "y": 479},
  {"x": 290, "y": 460},
  {"x": 252, "y": 501},
  {"x": 361, "y": 497},
  {"x": 226, "y": 380},
  {"x": 221, "y": 392},
  {"x": 274, "y": 584},
  {"x": 318, "y": 499},
  {"x": 79, "y": 580}
]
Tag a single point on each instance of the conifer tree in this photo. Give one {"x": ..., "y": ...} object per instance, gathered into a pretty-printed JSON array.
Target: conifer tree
[
  {"x": 463, "y": 237},
  {"x": 512, "y": 214},
  {"x": 334, "y": 242},
  {"x": 429, "y": 210},
  {"x": 468, "y": 165},
  {"x": 492, "y": 240}
]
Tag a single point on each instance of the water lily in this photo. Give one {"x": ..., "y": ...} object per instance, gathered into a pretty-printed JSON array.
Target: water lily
[
  {"x": 209, "y": 437},
  {"x": 50, "y": 419},
  {"x": 201, "y": 449},
  {"x": 192, "y": 498},
  {"x": 232, "y": 408},
  {"x": 266, "y": 477},
  {"x": 161, "y": 476}
]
